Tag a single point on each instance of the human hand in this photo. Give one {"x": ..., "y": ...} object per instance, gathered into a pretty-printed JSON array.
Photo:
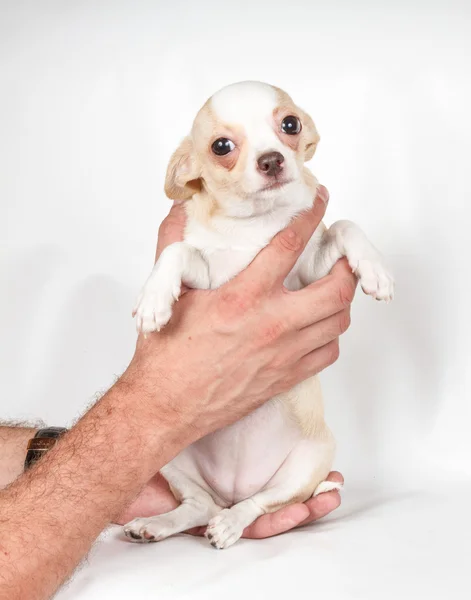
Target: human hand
[
  {"x": 156, "y": 499},
  {"x": 228, "y": 350}
]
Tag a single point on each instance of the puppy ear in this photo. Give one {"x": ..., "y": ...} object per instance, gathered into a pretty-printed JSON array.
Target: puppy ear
[
  {"x": 183, "y": 172},
  {"x": 311, "y": 137}
]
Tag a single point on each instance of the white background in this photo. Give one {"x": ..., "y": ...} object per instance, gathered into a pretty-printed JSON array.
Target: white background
[{"x": 94, "y": 96}]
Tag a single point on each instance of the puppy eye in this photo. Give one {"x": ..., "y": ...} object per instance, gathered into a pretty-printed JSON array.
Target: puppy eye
[
  {"x": 291, "y": 125},
  {"x": 222, "y": 146}
]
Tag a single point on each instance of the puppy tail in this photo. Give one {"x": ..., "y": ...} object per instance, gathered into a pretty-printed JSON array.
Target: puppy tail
[{"x": 327, "y": 486}]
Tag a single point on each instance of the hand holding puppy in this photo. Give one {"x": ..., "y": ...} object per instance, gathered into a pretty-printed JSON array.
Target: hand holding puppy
[
  {"x": 269, "y": 269},
  {"x": 228, "y": 350}
]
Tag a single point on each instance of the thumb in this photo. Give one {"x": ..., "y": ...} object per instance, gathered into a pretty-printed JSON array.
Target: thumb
[{"x": 272, "y": 264}]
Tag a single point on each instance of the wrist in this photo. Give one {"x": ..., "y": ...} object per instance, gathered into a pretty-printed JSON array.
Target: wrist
[
  {"x": 44, "y": 439},
  {"x": 13, "y": 447},
  {"x": 150, "y": 406}
]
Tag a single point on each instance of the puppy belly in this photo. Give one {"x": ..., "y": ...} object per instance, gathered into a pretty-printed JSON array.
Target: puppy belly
[
  {"x": 238, "y": 461},
  {"x": 234, "y": 483}
]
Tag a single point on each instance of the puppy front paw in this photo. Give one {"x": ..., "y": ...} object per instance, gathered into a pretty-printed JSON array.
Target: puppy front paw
[
  {"x": 375, "y": 278},
  {"x": 154, "y": 306}
]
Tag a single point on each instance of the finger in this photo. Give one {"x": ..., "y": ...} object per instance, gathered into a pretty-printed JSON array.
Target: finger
[
  {"x": 275, "y": 261},
  {"x": 196, "y": 530},
  {"x": 277, "y": 522},
  {"x": 323, "y": 298},
  {"x": 316, "y": 361},
  {"x": 322, "y": 505},
  {"x": 316, "y": 336},
  {"x": 296, "y": 514},
  {"x": 154, "y": 499},
  {"x": 171, "y": 229},
  {"x": 336, "y": 477}
]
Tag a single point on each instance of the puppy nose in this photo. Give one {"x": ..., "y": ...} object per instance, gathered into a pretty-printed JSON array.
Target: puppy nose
[{"x": 271, "y": 163}]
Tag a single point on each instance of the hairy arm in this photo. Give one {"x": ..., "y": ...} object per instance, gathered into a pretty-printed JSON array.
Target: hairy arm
[
  {"x": 263, "y": 340},
  {"x": 156, "y": 498},
  {"x": 50, "y": 516}
]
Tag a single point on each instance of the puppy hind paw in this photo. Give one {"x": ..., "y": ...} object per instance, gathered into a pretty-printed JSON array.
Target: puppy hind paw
[
  {"x": 224, "y": 529},
  {"x": 152, "y": 529}
]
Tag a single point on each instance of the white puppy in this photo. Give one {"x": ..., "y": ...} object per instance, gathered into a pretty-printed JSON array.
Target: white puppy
[{"x": 242, "y": 173}]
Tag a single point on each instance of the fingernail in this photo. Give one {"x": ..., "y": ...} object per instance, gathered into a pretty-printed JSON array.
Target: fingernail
[{"x": 323, "y": 193}]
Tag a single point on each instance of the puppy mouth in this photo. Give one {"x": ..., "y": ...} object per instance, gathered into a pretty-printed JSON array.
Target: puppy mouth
[{"x": 275, "y": 185}]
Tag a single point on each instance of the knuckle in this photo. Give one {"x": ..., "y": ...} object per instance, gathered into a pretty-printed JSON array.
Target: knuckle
[
  {"x": 344, "y": 320},
  {"x": 331, "y": 353},
  {"x": 283, "y": 384},
  {"x": 278, "y": 364},
  {"x": 233, "y": 303},
  {"x": 289, "y": 240},
  {"x": 270, "y": 332},
  {"x": 321, "y": 359}
]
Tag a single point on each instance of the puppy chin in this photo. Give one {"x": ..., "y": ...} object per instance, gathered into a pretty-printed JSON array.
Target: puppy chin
[
  {"x": 275, "y": 186},
  {"x": 285, "y": 193},
  {"x": 293, "y": 194}
]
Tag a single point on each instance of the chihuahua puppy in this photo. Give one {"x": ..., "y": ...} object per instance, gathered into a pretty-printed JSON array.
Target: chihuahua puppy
[{"x": 241, "y": 173}]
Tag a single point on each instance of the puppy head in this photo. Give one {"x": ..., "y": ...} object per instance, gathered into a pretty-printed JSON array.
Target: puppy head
[{"x": 246, "y": 149}]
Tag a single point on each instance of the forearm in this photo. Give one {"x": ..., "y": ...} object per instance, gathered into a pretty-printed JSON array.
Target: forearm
[
  {"x": 13, "y": 445},
  {"x": 51, "y": 515}
]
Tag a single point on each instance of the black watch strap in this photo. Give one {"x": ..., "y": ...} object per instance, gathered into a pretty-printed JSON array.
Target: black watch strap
[{"x": 43, "y": 441}]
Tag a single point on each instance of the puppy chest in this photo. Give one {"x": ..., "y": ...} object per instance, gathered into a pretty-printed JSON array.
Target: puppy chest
[{"x": 226, "y": 264}]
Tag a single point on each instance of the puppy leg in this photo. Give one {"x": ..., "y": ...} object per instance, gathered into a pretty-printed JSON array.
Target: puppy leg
[
  {"x": 179, "y": 263},
  {"x": 193, "y": 512},
  {"x": 196, "y": 509},
  {"x": 344, "y": 238},
  {"x": 295, "y": 481}
]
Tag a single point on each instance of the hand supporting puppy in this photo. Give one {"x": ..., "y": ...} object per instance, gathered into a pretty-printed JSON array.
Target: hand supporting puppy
[
  {"x": 156, "y": 497},
  {"x": 244, "y": 342},
  {"x": 224, "y": 353}
]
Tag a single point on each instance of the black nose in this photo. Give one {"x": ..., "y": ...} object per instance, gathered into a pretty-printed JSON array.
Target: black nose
[{"x": 271, "y": 163}]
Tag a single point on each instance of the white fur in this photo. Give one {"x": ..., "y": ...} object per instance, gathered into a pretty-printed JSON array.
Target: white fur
[
  {"x": 284, "y": 449},
  {"x": 250, "y": 104},
  {"x": 179, "y": 263}
]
